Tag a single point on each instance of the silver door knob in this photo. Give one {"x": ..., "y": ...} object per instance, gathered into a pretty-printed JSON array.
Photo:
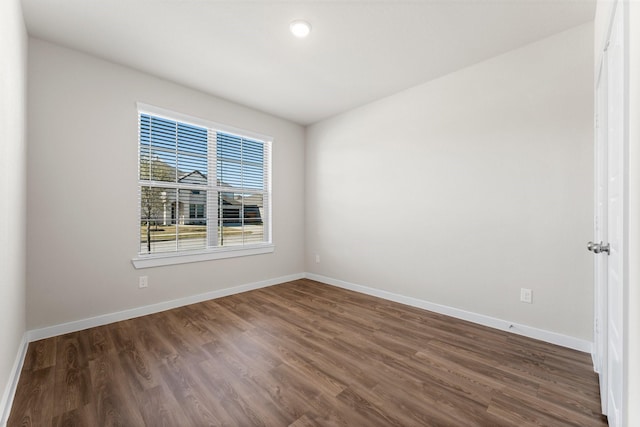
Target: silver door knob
[
  {"x": 597, "y": 248},
  {"x": 603, "y": 248}
]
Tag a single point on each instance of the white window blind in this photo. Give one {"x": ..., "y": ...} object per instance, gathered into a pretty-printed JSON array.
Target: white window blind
[{"x": 201, "y": 187}]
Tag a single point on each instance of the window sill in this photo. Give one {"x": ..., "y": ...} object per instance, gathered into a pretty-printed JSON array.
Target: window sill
[{"x": 148, "y": 261}]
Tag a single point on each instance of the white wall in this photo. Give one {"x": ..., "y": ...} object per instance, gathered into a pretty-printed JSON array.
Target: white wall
[
  {"x": 82, "y": 195},
  {"x": 13, "y": 72},
  {"x": 462, "y": 190}
]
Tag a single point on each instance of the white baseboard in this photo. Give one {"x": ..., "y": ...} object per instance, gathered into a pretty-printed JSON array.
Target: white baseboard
[
  {"x": 78, "y": 325},
  {"x": 492, "y": 322},
  {"x": 505, "y": 325},
  {"x": 12, "y": 384}
]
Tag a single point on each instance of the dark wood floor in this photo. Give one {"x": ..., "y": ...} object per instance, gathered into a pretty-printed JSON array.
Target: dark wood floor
[{"x": 302, "y": 354}]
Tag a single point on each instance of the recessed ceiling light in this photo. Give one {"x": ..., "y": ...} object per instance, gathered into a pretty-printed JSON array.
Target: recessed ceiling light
[{"x": 300, "y": 29}]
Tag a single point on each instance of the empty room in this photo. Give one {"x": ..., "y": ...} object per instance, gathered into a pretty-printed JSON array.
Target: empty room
[{"x": 319, "y": 213}]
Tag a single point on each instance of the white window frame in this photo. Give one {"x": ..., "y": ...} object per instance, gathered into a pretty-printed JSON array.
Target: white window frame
[{"x": 210, "y": 253}]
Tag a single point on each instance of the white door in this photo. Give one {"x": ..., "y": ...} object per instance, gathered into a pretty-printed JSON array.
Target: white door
[
  {"x": 615, "y": 221},
  {"x": 610, "y": 221},
  {"x": 600, "y": 232}
]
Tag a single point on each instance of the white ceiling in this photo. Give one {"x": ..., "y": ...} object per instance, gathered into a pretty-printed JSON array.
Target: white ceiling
[{"x": 358, "y": 51}]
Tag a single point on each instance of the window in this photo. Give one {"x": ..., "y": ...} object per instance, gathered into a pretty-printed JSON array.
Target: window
[{"x": 204, "y": 189}]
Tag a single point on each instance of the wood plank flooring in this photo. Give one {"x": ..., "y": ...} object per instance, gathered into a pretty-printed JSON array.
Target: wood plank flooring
[{"x": 302, "y": 354}]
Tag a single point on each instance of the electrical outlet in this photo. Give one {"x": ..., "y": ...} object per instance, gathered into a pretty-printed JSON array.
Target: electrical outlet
[
  {"x": 526, "y": 295},
  {"x": 143, "y": 282},
  {"x": 317, "y": 259}
]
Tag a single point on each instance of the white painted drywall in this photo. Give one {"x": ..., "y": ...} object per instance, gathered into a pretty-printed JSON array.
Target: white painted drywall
[
  {"x": 13, "y": 86},
  {"x": 82, "y": 195},
  {"x": 462, "y": 190}
]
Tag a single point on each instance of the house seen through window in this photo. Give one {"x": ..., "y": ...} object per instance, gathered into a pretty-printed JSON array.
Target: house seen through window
[{"x": 200, "y": 188}]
